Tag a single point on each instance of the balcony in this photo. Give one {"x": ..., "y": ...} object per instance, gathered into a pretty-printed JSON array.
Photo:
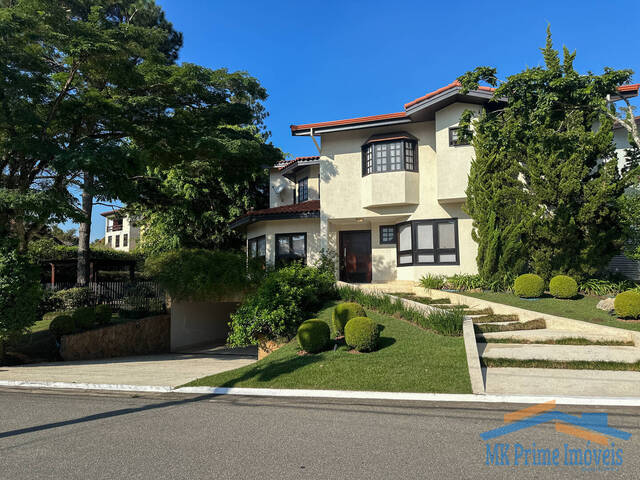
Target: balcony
[
  {"x": 114, "y": 228},
  {"x": 387, "y": 189}
]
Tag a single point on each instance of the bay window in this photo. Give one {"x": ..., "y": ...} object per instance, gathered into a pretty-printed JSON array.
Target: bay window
[
  {"x": 428, "y": 242},
  {"x": 390, "y": 153}
]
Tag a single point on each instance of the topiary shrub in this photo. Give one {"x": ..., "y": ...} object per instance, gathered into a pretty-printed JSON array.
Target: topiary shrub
[
  {"x": 74, "y": 297},
  {"x": 528, "y": 285},
  {"x": 84, "y": 317},
  {"x": 362, "y": 333},
  {"x": 103, "y": 314},
  {"x": 343, "y": 312},
  {"x": 627, "y": 304},
  {"x": 62, "y": 325},
  {"x": 562, "y": 286},
  {"x": 313, "y": 335}
]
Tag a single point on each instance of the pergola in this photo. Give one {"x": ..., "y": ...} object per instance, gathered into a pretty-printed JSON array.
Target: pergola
[{"x": 95, "y": 265}]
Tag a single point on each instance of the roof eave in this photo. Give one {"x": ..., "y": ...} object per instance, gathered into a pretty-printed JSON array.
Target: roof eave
[{"x": 249, "y": 219}]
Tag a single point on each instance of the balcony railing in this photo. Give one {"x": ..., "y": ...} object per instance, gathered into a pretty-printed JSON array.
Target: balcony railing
[{"x": 114, "y": 228}]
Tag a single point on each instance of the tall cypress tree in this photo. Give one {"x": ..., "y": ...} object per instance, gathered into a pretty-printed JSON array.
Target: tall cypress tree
[{"x": 544, "y": 186}]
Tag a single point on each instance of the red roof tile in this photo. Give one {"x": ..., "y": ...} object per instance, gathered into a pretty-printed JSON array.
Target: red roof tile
[
  {"x": 310, "y": 206},
  {"x": 444, "y": 89},
  {"x": 629, "y": 88},
  {"x": 349, "y": 121}
]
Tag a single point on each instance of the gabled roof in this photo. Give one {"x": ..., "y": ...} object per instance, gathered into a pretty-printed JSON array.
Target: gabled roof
[
  {"x": 310, "y": 209},
  {"x": 446, "y": 88},
  {"x": 421, "y": 109}
]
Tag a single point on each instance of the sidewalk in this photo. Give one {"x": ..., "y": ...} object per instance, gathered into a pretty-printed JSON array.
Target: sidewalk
[{"x": 171, "y": 369}]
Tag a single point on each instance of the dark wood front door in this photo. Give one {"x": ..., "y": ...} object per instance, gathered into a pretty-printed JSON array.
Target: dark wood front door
[{"x": 355, "y": 256}]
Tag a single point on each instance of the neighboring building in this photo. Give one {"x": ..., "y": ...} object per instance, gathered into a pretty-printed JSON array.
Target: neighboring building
[
  {"x": 120, "y": 231},
  {"x": 385, "y": 193},
  {"x": 620, "y": 263}
]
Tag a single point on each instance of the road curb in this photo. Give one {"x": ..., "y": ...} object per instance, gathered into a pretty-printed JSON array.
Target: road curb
[{"x": 335, "y": 394}]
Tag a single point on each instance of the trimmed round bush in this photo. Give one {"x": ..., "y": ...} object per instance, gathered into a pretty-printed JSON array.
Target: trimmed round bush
[
  {"x": 103, "y": 314},
  {"x": 84, "y": 317},
  {"x": 529, "y": 285},
  {"x": 562, "y": 286},
  {"x": 313, "y": 335},
  {"x": 627, "y": 304},
  {"x": 362, "y": 333},
  {"x": 62, "y": 325},
  {"x": 345, "y": 312}
]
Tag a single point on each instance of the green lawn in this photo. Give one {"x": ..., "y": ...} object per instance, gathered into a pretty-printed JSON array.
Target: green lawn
[
  {"x": 583, "y": 308},
  {"x": 409, "y": 359}
]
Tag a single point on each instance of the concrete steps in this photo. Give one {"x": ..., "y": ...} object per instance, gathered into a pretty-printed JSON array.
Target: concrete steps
[
  {"x": 547, "y": 334},
  {"x": 559, "y": 353},
  {"x": 565, "y": 382}
]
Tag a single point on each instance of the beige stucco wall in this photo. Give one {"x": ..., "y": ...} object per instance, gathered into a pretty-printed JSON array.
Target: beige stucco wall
[
  {"x": 453, "y": 163},
  {"x": 196, "y": 323},
  {"x": 342, "y": 187},
  {"x": 270, "y": 228},
  {"x": 621, "y": 140},
  {"x": 286, "y": 197},
  {"x": 129, "y": 228}
]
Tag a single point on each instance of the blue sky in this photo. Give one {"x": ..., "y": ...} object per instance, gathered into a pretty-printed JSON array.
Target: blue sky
[{"x": 331, "y": 60}]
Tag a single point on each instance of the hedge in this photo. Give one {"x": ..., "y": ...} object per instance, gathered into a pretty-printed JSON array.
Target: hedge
[
  {"x": 627, "y": 304},
  {"x": 562, "y": 286},
  {"x": 362, "y": 333},
  {"x": 198, "y": 274},
  {"x": 528, "y": 285},
  {"x": 313, "y": 335},
  {"x": 343, "y": 312}
]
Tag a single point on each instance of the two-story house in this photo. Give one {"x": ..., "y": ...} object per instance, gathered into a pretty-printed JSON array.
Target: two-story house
[
  {"x": 385, "y": 193},
  {"x": 120, "y": 231}
]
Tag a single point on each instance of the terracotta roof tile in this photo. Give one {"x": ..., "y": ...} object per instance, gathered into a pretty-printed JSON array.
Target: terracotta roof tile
[
  {"x": 310, "y": 206},
  {"x": 348, "y": 121}
]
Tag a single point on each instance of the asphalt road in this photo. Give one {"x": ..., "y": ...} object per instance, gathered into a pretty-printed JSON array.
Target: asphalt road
[{"x": 68, "y": 435}]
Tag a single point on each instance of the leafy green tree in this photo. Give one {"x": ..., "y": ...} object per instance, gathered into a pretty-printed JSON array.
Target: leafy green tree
[
  {"x": 93, "y": 101},
  {"x": 20, "y": 293},
  {"x": 544, "y": 187}
]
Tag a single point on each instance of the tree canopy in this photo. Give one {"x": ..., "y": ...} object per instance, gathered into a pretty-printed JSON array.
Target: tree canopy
[{"x": 544, "y": 187}]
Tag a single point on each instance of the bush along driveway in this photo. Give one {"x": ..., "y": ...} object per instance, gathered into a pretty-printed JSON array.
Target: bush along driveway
[{"x": 409, "y": 359}]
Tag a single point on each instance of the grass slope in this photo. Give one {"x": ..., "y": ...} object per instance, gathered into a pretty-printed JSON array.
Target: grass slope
[
  {"x": 409, "y": 359},
  {"x": 582, "y": 308}
]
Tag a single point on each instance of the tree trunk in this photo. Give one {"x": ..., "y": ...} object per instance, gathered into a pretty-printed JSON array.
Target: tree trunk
[{"x": 84, "y": 232}]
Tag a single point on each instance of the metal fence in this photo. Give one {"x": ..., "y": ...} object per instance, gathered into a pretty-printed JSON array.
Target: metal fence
[{"x": 134, "y": 296}]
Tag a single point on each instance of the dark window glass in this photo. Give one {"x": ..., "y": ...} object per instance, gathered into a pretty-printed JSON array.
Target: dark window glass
[
  {"x": 454, "y": 137},
  {"x": 125, "y": 240},
  {"x": 387, "y": 234},
  {"x": 303, "y": 189},
  {"x": 291, "y": 247},
  {"x": 389, "y": 157},
  {"x": 257, "y": 248},
  {"x": 428, "y": 242},
  {"x": 109, "y": 241},
  {"x": 117, "y": 241}
]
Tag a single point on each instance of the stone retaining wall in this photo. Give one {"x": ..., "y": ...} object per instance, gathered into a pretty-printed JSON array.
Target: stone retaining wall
[{"x": 137, "y": 337}]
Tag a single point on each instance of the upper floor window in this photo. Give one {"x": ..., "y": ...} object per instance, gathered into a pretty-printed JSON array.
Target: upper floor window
[
  {"x": 454, "y": 137},
  {"x": 303, "y": 189},
  {"x": 390, "y": 153}
]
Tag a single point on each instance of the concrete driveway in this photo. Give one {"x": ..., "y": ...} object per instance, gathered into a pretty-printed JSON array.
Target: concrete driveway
[{"x": 171, "y": 369}]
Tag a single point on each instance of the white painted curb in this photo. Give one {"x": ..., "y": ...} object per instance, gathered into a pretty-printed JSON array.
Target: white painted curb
[{"x": 338, "y": 394}]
